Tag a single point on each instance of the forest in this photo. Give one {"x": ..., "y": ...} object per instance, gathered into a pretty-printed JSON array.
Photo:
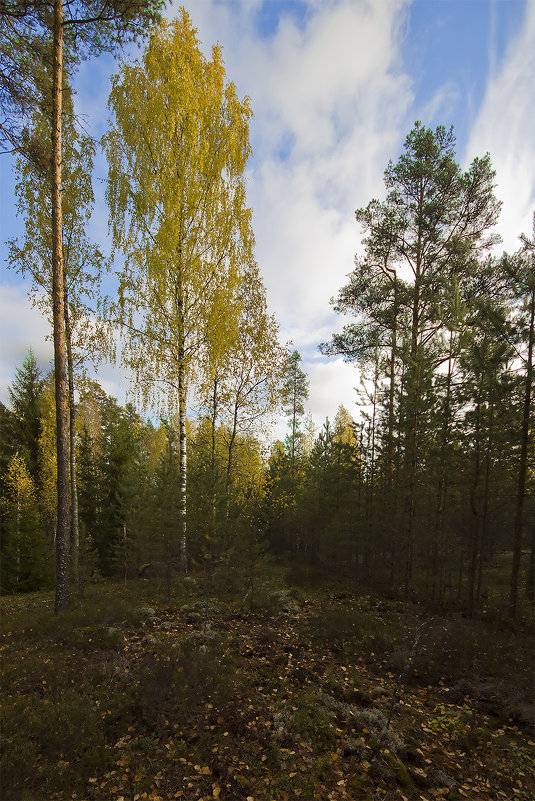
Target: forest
[{"x": 365, "y": 590}]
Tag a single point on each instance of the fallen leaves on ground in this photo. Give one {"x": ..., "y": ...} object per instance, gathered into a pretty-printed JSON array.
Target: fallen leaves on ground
[{"x": 210, "y": 700}]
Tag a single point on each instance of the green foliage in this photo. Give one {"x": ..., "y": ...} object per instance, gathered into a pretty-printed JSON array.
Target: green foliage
[
  {"x": 26, "y": 553},
  {"x": 294, "y": 393},
  {"x": 119, "y": 451},
  {"x": 24, "y": 396},
  {"x": 311, "y": 721},
  {"x": 27, "y": 556},
  {"x": 447, "y": 720},
  {"x": 182, "y": 677}
]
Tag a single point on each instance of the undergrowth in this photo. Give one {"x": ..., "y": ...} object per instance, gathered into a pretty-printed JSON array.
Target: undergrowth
[{"x": 277, "y": 694}]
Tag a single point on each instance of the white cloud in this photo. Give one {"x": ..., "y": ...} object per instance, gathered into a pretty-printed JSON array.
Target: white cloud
[
  {"x": 505, "y": 127},
  {"x": 332, "y": 383},
  {"x": 21, "y": 327},
  {"x": 331, "y": 107},
  {"x": 442, "y": 105}
]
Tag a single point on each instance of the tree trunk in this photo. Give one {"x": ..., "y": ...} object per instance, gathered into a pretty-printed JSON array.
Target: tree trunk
[
  {"x": 58, "y": 312},
  {"x": 371, "y": 521},
  {"x": 75, "y": 531},
  {"x": 230, "y": 457},
  {"x": 213, "y": 466},
  {"x": 442, "y": 495},
  {"x": 521, "y": 492},
  {"x": 391, "y": 390},
  {"x": 182, "y": 461},
  {"x": 530, "y": 578},
  {"x": 476, "y": 519},
  {"x": 413, "y": 406},
  {"x": 483, "y": 551},
  {"x": 124, "y": 555}
]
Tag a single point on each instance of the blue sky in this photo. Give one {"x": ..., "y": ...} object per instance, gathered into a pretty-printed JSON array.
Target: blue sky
[{"x": 335, "y": 87}]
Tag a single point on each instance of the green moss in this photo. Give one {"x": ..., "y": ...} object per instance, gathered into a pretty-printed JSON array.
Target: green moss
[{"x": 402, "y": 775}]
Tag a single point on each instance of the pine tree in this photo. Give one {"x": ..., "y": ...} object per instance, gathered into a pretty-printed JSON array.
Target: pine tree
[
  {"x": 426, "y": 235},
  {"x": 521, "y": 281},
  {"x": 69, "y": 32},
  {"x": 294, "y": 393}
]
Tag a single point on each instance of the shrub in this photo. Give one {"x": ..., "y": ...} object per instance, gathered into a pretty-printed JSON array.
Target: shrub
[
  {"x": 180, "y": 676},
  {"x": 41, "y": 733},
  {"x": 350, "y": 629}
]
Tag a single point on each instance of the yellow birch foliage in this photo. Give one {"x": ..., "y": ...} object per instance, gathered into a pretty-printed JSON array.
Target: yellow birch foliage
[
  {"x": 177, "y": 200},
  {"x": 20, "y": 486},
  {"x": 47, "y": 456},
  {"x": 26, "y": 557}
]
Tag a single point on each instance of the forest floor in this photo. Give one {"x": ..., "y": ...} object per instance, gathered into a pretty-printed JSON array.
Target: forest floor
[{"x": 295, "y": 693}]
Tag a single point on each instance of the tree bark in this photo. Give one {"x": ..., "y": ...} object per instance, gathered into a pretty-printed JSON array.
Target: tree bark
[
  {"x": 483, "y": 550},
  {"x": 62, "y": 602},
  {"x": 182, "y": 461},
  {"x": 530, "y": 577},
  {"x": 213, "y": 459},
  {"x": 413, "y": 403},
  {"x": 521, "y": 491},
  {"x": 75, "y": 531},
  {"x": 391, "y": 389},
  {"x": 475, "y": 507},
  {"x": 230, "y": 457}
]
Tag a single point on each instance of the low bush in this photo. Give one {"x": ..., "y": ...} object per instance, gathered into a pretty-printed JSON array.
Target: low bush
[
  {"x": 350, "y": 629},
  {"x": 41, "y": 735},
  {"x": 179, "y": 676}
]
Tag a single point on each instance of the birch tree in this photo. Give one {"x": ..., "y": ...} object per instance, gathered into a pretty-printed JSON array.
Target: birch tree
[
  {"x": 244, "y": 380},
  {"x": 177, "y": 201}
]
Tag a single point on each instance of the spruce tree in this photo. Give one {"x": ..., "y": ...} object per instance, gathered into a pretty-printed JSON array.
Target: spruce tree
[{"x": 24, "y": 396}]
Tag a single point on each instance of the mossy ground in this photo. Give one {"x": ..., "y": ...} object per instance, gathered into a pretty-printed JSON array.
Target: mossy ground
[{"x": 309, "y": 692}]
